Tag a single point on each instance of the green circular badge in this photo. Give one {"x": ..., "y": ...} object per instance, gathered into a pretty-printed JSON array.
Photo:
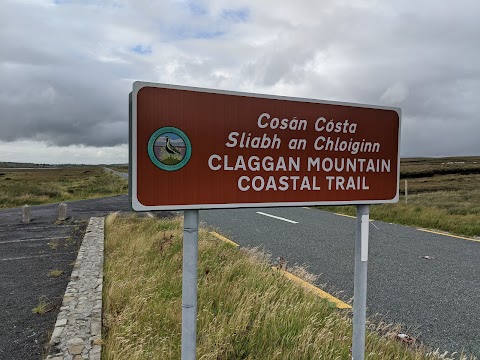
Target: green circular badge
[{"x": 169, "y": 148}]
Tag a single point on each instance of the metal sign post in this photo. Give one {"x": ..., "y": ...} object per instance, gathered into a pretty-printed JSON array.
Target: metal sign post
[
  {"x": 189, "y": 285},
  {"x": 360, "y": 283},
  {"x": 195, "y": 148}
]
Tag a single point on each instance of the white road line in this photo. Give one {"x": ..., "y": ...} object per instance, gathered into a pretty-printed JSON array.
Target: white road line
[
  {"x": 6, "y": 228},
  {"x": 34, "y": 256},
  {"x": 277, "y": 217},
  {"x": 35, "y": 239},
  {"x": 25, "y": 257}
]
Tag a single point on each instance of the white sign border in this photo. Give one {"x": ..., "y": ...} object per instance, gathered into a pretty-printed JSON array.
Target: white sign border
[{"x": 138, "y": 206}]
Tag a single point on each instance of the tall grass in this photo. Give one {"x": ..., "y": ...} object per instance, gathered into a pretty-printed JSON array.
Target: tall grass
[
  {"x": 33, "y": 187},
  {"x": 443, "y": 194},
  {"x": 454, "y": 219},
  {"x": 245, "y": 309}
]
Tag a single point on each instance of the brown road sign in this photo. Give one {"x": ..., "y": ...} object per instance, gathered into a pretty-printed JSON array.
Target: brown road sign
[{"x": 197, "y": 148}]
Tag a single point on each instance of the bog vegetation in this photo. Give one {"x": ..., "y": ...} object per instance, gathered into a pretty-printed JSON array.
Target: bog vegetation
[
  {"x": 245, "y": 309},
  {"x": 443, "y": 194},
  {"x": 40, "y": 186}
]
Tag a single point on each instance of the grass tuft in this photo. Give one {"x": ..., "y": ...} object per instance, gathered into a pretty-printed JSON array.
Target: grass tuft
[
  {"x": 44, "y": 306},
  {"x": 55, "y": 273},
  {"x": 54, "y": 244}
]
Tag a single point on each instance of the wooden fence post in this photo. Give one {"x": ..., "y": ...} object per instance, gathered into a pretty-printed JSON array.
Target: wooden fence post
[{"x": 406, "y": 191}]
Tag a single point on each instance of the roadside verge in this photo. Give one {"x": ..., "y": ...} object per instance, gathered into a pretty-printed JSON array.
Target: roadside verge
[
  {"x": 245, "y": 309},
  {"x": 77, "y": 332}
]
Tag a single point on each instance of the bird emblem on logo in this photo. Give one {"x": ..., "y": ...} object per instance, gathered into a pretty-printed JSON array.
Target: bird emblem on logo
[{"x": 171, "y": 149}]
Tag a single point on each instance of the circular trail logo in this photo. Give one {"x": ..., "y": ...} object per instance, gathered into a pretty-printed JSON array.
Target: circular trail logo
[{"x": 169, "y": 148}]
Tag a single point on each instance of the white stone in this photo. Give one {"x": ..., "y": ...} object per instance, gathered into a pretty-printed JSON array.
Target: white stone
[
  {"x": 61, "y": 322},
  {"x": 56, "y": 335},
  {"x": 75, "y": 341}
]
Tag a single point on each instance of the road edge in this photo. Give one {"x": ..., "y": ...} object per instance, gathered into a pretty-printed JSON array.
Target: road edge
[
  {"x": 79, "y": 323},
  {"x": 339, "y": 304}
]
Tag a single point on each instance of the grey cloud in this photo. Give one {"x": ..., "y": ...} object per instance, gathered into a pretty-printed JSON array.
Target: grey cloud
[
  {"x": 439, "y": 137},
  {"x": 64, "y": 69},
  {"x": 71, "y": 104}
]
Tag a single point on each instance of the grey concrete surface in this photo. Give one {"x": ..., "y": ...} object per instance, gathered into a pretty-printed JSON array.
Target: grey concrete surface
[{"x": 28, "y": 252}]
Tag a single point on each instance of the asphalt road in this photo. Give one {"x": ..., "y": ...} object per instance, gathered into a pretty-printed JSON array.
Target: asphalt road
[
  {"x": 28, "y": 252},
  {"x": 436, "y": 300},
  {"x": 122, "y": 175}
]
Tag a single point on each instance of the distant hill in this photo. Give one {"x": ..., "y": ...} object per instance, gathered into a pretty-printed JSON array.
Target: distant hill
[
  {"x": 411, "y": 168},
  {"x": 15, "y": 165}
]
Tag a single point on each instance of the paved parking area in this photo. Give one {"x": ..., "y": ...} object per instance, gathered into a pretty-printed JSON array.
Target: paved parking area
[{"x": 28, "y": 252}]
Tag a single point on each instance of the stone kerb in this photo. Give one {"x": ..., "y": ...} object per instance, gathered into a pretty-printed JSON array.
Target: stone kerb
[{"x": 77, "y": 333}]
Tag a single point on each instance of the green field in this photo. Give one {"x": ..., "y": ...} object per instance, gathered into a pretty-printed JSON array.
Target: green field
[
  {"x": 443, "y": 194},
  {"x": 428, "y": 167},
  {"x": 15, "y": 165},
  {"x": 41, "y": 186}
]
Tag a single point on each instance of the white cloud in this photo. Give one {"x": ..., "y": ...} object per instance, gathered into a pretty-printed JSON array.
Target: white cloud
[{"x": 67, "y": 67}]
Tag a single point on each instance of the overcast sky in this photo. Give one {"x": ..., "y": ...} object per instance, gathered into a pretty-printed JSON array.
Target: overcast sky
[{"x": 67, "y": 66}]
